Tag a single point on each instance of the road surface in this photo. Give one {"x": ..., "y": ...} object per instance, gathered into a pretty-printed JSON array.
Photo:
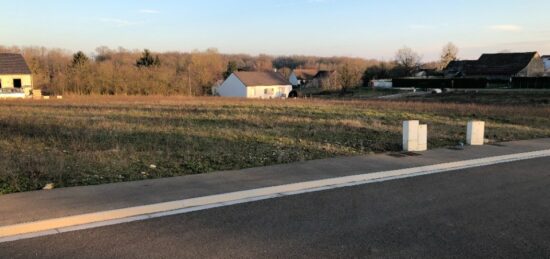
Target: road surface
[{"x": 494, "y": 211}]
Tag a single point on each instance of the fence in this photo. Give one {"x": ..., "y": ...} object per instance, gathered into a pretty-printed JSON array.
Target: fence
[
  {"x": 531, "y": 82},
  {"x": 458, "y": 83}
]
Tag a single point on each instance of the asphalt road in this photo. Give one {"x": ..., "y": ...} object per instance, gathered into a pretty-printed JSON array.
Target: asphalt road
[{"x": 494, "y": 211}]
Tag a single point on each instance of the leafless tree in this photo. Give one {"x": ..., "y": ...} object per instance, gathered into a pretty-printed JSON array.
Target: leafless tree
[
  {"x": 349, "y": 75},
  {"x": 285, "y": 71},
  {"x": 114, "y": 71},
  {"x": 449, "y": 53},
  {"x": 408, "y": 59},
  {"x": 263, "y": 63}
]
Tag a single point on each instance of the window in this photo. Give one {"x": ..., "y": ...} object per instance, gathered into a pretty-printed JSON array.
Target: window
[
  {"x": 0, "y": 83},
  {"x": 17, "y": 83},
  {"x": 268, "y": 91}
]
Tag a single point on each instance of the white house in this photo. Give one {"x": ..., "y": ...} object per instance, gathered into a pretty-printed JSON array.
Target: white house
[
  {"x": 262, "y": 85},
  {"x": 546, "y": 60},
  {"x": 15, "y": 76}
]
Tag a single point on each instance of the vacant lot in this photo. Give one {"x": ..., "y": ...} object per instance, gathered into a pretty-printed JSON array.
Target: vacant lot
[
  {"x": 93, "y": 140},
  {"x": 532, "y": 98}
]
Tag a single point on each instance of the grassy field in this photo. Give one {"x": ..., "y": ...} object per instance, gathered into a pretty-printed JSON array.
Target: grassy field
[
  {"x": 532, "y": 98},
  {"x": 94, "y": 140},
  {"x": 356, "y": 93}
]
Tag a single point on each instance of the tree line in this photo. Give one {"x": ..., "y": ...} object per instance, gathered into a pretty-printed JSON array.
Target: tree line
[
  {"x": 121, "y": 71},
  {"x": 407, "y": 62}
]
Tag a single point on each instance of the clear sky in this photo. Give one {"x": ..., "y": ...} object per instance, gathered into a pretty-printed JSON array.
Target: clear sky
[{"x": 360, "y": 28}]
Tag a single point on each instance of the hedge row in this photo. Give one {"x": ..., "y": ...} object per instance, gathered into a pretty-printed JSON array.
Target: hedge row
[
  {"x": 531, "y": 82},
  {"x": 461, "y": 83},
  {"x": 473, "y": 83}
]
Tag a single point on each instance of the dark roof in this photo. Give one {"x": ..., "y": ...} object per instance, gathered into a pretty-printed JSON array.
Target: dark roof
[
  {"x": 324, "y": 74},
  {"x": 492, "y": 64},
  {"x": 11, "y": 64},
  {"x": 305, "y": 74},
  {"x": 262, "y": 78},
  {"x": 456, "y": 67},
  {"x": 546, "y": 56},
  {"x": 459, "y": 64},
  {"x": 500, "y": 64}
]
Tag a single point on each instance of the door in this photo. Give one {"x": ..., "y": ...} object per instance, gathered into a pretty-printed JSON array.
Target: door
[{"x": 17, "y": 83}]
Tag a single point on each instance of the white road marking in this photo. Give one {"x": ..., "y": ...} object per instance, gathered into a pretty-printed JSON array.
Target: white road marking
[{"x": 119, "y": 216}]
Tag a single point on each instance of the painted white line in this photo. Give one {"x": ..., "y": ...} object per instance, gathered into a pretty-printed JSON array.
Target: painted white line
[{"x": 112, "y": 217}]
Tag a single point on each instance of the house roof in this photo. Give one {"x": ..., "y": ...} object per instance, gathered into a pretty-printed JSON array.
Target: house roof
[
  {"x": 305, "y": 74},
  {"x": 500, "y": 64},
  {"x": 261, "y": 78},
  {"x": 11, "y": 64},
  {"x": 458, "y": 65},
  {"x": 546, "y": 56},
  {"x": 324, "y": 74}
]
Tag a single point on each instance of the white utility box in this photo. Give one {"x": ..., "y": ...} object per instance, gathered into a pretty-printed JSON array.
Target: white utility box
[{"x": 475, "y": 135}]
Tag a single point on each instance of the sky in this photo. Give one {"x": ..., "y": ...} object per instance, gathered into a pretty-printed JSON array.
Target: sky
[{"x": 357, "y": 28}]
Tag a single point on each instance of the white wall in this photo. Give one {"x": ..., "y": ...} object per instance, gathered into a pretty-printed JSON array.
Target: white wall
[
  {"x": 7, "y": 80},
  {"x": 382, "y": 83},
  {"x": 232, "y": 87},
  {"x": 274, "y": 91}
]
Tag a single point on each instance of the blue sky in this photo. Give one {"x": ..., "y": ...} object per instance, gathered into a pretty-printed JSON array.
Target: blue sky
[{"x": 359, "y": 28}]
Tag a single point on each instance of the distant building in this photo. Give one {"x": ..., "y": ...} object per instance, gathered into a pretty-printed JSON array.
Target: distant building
[
  {"x": 261, "y": 85},
  {"x": 456, "y": 68},
  {"x": 428, "y": 70},
  {"x": 15, "y": 75},
  {"x": 381, "y": 83},
  {"x": 300, "y": 77},
  {"x": 546, "y": 61},
  {"x": 427, "y": 73},
  {"x": 500, "y": 66},
  {"x": 324, "y": 79}
]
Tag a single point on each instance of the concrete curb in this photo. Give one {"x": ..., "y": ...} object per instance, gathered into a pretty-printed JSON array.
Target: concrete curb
[{"x": 112, "y": 217}]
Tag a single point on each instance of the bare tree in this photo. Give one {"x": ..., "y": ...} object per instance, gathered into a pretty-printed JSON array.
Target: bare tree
[
  {"x": 349, "y": 75},
  {"x": 448, "y": 54},
  {"x": 285, "y": 71},
  {"x": 263, "y": 63},
  {"x": 205, "y": 69},
  {"x": 121, "y": 71},
  {"x": 408, "y": 59}
]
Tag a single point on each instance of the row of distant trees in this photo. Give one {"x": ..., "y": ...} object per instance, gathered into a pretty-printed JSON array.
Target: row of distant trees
[
  {"x": 125, "y": 72},
  {"x": 407, "y": 61}
]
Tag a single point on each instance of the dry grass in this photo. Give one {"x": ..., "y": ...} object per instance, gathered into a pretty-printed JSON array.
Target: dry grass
[
  {"x": 94, "y": 140},
  {"x": 525, "y": 97}
]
